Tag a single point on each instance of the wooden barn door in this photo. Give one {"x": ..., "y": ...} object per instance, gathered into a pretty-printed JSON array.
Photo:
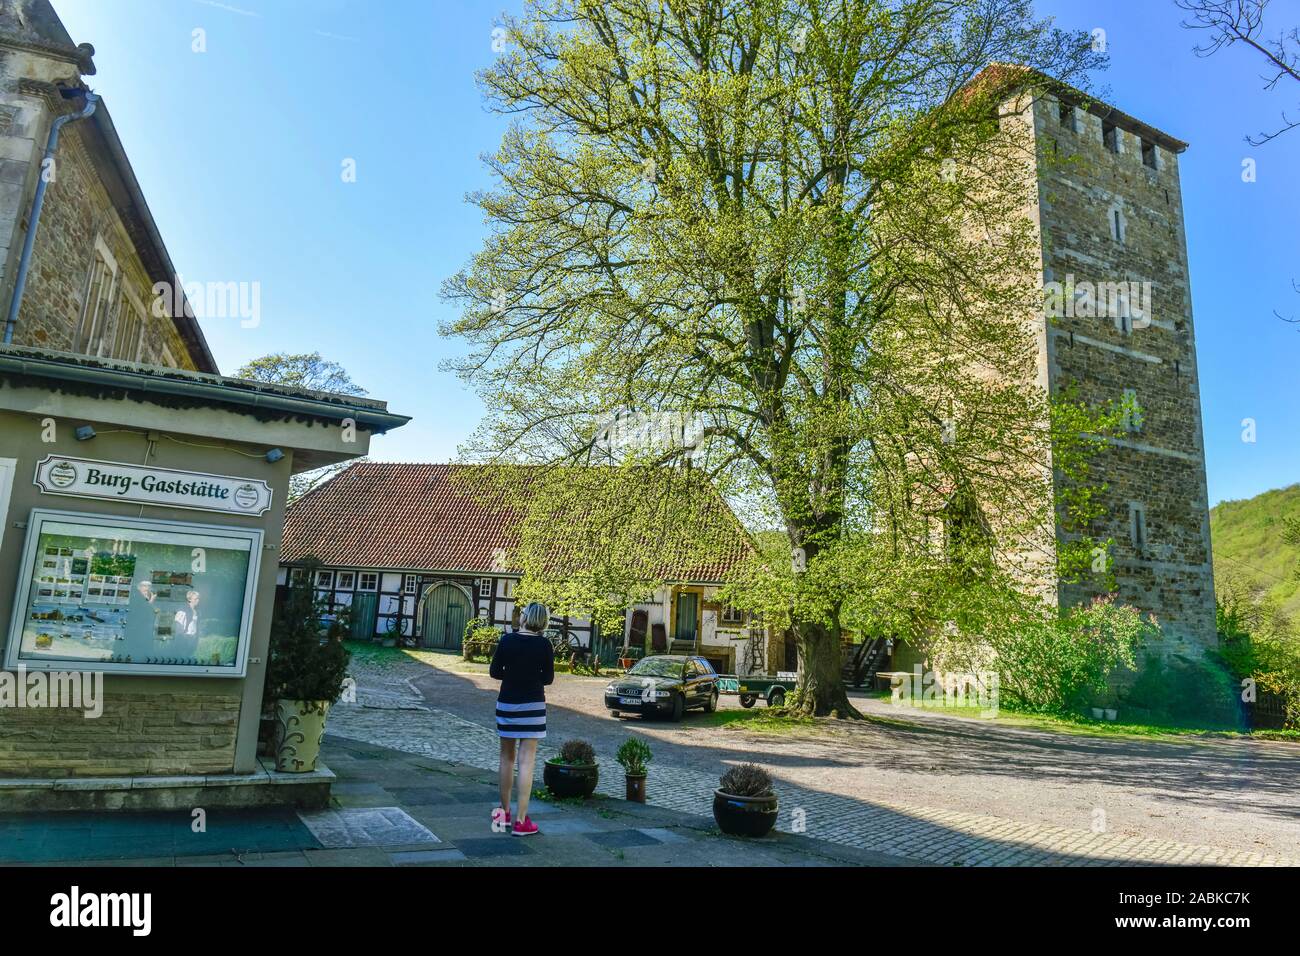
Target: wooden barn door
[{"x": 446, "y": 611}]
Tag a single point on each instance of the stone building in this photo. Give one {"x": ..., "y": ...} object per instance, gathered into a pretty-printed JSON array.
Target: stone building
[
  {"x": 98, "y": 254},
  {"x": 1109, "y": 219},
  {"x": 416, "y": 550}
]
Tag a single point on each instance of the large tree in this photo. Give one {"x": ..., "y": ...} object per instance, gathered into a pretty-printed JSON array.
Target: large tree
[
  {"x": 308, "y": 370},
  {"x": 794, "y": 238}
]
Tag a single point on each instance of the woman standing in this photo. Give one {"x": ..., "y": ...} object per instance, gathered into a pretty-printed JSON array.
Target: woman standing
[{"x": 524, "y": 662}]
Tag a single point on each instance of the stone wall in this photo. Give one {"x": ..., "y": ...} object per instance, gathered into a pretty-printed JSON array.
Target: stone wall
[
  {"x": 137, "y": 734},
  {"x": 1159, "y": 465},
  {"x": 77, "y": 213}
]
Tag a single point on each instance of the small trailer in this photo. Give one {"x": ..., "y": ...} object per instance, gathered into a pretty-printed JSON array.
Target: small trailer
[{"x": 753, "y": 687}]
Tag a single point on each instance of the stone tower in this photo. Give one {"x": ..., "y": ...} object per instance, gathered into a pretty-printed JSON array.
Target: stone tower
[{"x": 1110, "y": 222}]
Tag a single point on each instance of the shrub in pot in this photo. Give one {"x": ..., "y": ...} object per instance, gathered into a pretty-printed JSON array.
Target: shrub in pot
[
  {"x": 574, "y": 772},
  {"x": 304, "y": 676},
  {"x": 634, "y": 754},
  {"x": 744, "y": 803}
]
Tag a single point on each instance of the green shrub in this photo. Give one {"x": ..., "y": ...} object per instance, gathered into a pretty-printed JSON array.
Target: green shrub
[
  {"x": 1055, "y": 664},
  {"x": 479, "y": 639},
  {"x": 304, "y": 663},
  {"x": 634, "y": 755},
  {"x": 1183, "y": 691}
]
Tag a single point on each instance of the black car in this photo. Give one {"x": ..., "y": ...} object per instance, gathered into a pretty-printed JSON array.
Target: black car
[{"x": 664, "y": 685}]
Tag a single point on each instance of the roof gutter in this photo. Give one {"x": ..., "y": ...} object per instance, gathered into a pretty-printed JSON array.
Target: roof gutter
[
  {"x": 376, "y": 420},
  {"x": 34, "y": 218}
]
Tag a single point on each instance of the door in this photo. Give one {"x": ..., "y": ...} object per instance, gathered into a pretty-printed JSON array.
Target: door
[
  {"x": 446, "y": 611},
  {"x": 365, "y": 611},
  {"x": 685, "y": 627}
]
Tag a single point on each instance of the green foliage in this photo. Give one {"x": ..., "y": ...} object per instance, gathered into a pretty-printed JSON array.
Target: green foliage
[
  {"x": 479, "y": 639},
  {"x": 634, "y": 755},
  {"x": 1178, "y": 691},
  {"x": 1259, "y": 641},
  {"x": 746, "y": 780},
  {"x": 776, "y": 225},
  {"x": 304, "y": 663},
  {"x": 577, "y": 753},
  {"x": 1049, "y": 661},
  {"x": 1258, "y": 541},
  {"x": 304, "y": 370}
]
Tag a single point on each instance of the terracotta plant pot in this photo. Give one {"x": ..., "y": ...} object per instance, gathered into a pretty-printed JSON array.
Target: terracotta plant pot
[
  {"x": 636, "y": 787},
  {"x": 744, "y": 816},
  {"x": 571, "y": 780},
  {"x": 299, "y": 727},
  {"x": 626, "y": 663}
]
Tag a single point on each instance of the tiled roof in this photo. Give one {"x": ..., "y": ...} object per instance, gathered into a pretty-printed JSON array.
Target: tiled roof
[{"x": 415, "y": 517}]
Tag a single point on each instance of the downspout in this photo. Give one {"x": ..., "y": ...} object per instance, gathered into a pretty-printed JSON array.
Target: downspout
[{"x": 34, "y": 219}]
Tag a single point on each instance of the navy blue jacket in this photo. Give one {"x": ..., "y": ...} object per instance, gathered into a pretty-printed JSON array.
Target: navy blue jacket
[{"x": 524, "y": 664}]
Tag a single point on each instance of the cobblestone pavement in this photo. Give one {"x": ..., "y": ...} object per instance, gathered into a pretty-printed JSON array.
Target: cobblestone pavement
[{"x": 392, "y": 712}]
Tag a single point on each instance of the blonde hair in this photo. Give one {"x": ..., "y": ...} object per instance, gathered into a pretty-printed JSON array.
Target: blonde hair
[{"x": 535, "y": 617}]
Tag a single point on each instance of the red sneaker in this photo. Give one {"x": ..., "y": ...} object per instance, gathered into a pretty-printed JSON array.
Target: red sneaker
[
  {"x": 500, "y": 819},
  {"x": 526, "y": 827}
]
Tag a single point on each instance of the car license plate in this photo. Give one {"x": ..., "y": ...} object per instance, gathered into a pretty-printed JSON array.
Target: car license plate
[
  {"x": 732, "y": 686},
  {"x": 629, "y": 700}
]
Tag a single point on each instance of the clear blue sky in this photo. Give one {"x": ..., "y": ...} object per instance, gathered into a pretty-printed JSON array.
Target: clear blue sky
[{"x": 240, "y": 149}]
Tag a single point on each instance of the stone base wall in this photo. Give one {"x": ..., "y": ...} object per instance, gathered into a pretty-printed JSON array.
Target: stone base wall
[{"x": 137, "y": 734}]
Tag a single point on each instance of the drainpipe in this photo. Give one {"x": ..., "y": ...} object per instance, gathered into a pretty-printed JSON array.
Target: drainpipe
[{"x": 34, "y": 219}]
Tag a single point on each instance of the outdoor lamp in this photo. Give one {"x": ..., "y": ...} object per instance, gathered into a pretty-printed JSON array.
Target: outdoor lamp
[{"x": 85, "y": 433}]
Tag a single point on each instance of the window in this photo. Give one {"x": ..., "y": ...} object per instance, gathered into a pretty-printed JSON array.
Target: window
[
  {"x": 98, "y": 307},
  {"x": 1149, "y": 155},
  {"x": 1137, "y": 529},
  {"x": 122, "y": 595},
  {"x": 1110, "y": 135},
  {"x": 347, "y": 580},
  {"x": 408, "y": 584},
  {"x": 325, "y": 579},
  {"x": 131, "y": 320},
  {"x": 295, "y": 576},
  {"x": 1118, "y": 224},
  {"x": 485, "y": 587},
  {"x": 1066, "y": 115},
  {"x": 731, "y": 615},
  {"x": 368, "y": 581}
]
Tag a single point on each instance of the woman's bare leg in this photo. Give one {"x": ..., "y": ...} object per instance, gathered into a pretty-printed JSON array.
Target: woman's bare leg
[
  {"x": 527, "y": 756},
  {"x": 506, "y": 773}
]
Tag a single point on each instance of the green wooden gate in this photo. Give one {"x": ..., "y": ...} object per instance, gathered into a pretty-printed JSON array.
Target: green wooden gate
[
  {"x": 446, "y": 609},
  {"x": 365, "y": 608}
]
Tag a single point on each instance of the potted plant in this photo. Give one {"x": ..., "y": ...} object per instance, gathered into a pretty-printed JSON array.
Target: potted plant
[
  {"x": 744, "y": 803},
  {"x": 634, "y": 754},
  {"x": 304, "y": 676},
  {"x": 574, "y": 772}
]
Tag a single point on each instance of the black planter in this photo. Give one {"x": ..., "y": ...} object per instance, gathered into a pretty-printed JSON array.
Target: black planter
[
  {"x": 744, "y": 816},
  {"x": 570, "y": 780}
]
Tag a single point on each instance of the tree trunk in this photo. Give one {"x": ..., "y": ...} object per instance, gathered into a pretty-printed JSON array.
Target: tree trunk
[{"x": 821, "y": 682}]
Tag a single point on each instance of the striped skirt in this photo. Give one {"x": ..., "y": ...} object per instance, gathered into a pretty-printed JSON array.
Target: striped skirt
[{"x": 521, "y": 721}]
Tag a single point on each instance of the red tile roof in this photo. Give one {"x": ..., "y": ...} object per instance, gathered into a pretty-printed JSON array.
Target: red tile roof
[{"x": 416, "y": 517}]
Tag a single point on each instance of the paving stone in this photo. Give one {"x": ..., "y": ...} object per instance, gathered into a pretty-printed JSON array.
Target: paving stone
[
  {"x": 921, "y": 834},
  {"x": 382, "y": 826},
  {"x": 501, "y": 845}
]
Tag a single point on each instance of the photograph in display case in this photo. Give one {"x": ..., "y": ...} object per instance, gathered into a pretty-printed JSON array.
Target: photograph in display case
[{"x": 134, "y": 596}]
